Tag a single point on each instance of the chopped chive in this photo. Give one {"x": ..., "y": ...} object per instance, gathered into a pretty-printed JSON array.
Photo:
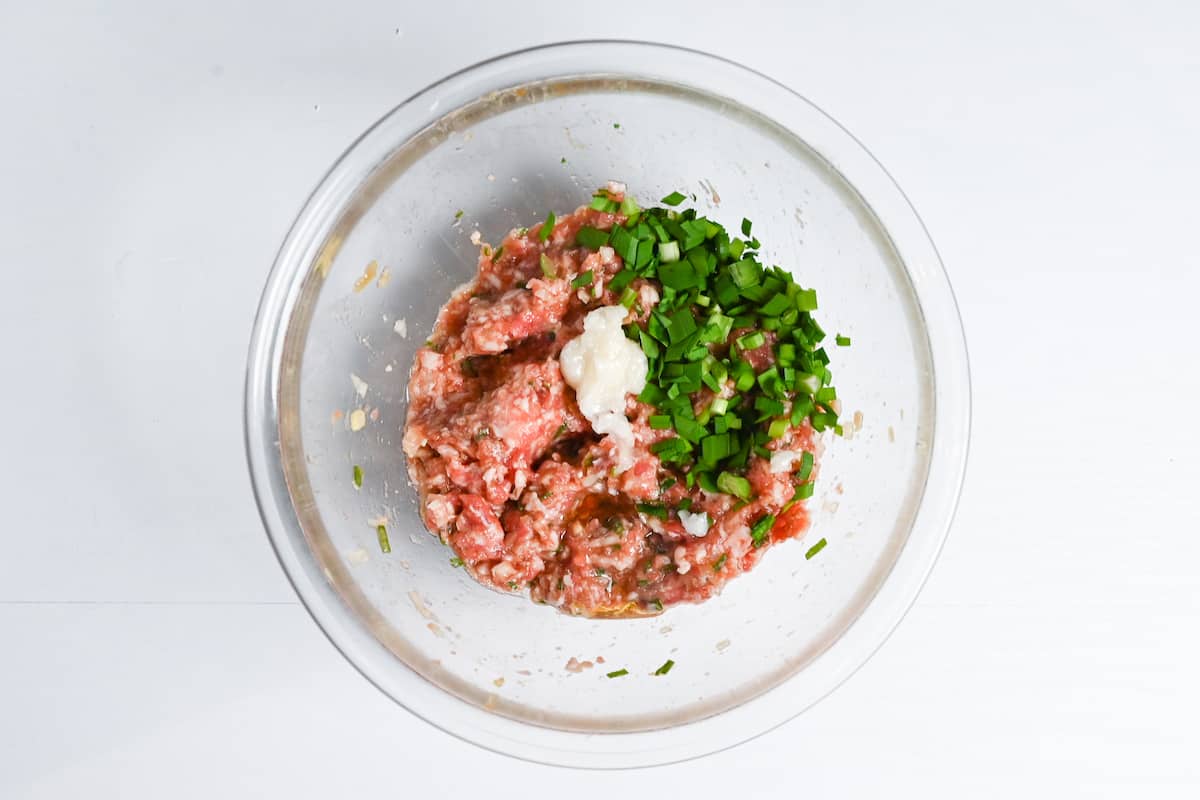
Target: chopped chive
[
  {"x": 674, "y": 198},
  {"x": 456, "y": 562},
  {"x": 382, "y": 535},
  {"x": 591, "y": 238},
  {"x": 629, "y": 297},
  {"x": 760, "y": 529},
  {"x": 751, "y": 341},
  {"x": 617, "y": 673},
  {"x": 547, "y": 227},
  {"x": 720, "y": 562},
  {"x": 652, "y": 510},
  {"x": 806, "y": 466},
  {"x": 816, "y": 548},
  {"x": 665, "y": 668},
  {"x": 358, "y": 476},
  {"x": 668, "y": 252},
  {"x": 842, "y": 341},
  {"x": 629, "y": 206},
  {"x": 548, "y": 270},
  {"x": 586, "y": 279},
  {"x": 734, "y": 485},
  {"x": 657, "y": 604},
  {"x": 458, "y": 214}
]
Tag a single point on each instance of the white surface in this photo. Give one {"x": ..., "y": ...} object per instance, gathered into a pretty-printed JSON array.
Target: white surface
[{"x": 152, "y": 161}]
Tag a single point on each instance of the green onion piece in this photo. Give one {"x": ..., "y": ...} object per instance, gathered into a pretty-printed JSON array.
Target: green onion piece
[
  {"x": 586, "y": 279},
  {"x": 760, "y": 529},
  {"x": 629, "y": 297},
  {"x": 806, "y": 466},
  {"x": 668, "y": 252},
  {"x": 745, "y": 273},
  {"x": 381, "y": 534},
  {"x": 719, "y": 405},
  {"x": 458, "y": 214},
  {"x": 776, "y": 306},
  {"x": 547, "y": 227},
  {"x": 665, "y": 668},
  {"x": 750, "y": 341},
  {"x": 778, "y": 428},
  {"x": 622, "y": 279},
  {"x": 720, "y": 562},
  {"x": 456, "y": 562},
  {"x": 816, "y": 548},
  {"x": 745, "y": 227},
  {"x": 804, "y": 491},
  {"x": 734, "y": 485},
  {"x": 826, "y": 395},
  {"x": 689, "y": 429},
  {"x": 548, "y": 270},
  {"x": 807, "y": 383},
  {"x": 629, "y": 206},
  {"x": 652, "y": 510},
  {"x": 617, "y": 673},
  {"x": 660, "y": 422},
  {"x": 674, "y": 199},
  {"x": 806, "y": 300},
  {"x": 657, "y": 604},
  {"x": 591, "y": 238},
  {"x": 842, "y": 341},
  {"x": 358, "y": 476}
]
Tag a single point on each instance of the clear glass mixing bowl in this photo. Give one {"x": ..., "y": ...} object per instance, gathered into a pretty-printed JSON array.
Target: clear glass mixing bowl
[{"x": 504, "y": 142}]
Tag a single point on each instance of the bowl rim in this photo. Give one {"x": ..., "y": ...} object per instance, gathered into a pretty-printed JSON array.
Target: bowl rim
[{"x": 610, "y": 750}]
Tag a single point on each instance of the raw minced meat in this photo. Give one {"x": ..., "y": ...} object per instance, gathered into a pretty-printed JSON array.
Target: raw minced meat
[{"x": 513, "y": 478}]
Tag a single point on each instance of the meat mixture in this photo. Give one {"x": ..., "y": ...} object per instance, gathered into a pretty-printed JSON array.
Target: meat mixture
[{"x": 516, "y": 480}]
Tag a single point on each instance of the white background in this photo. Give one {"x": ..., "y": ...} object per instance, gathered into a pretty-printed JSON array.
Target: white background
[{"x": 151, "y": 162}]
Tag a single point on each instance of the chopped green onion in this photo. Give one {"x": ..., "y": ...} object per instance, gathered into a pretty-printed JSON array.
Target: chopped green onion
[
  {"x": 617, "y": 673},
  {"x": 358, "y": 476},
  {"x": 629, "y": 206},
  {"x": 586, "y": 279},
  {"x": 668, "y": 252},
  {"x": 674, "y": 198},
  {"x": 629, "y": 297},
  {"x": 734, "y": 485},
  {"x": 760, "y": 529},
  {"x": 816, "y": 548},
  {"x": 456, "y": 562},
  {"x": 806, "y": 466},
  {"x": 458, "y": 214},
  {"x": 381, "y": 534},
  {"x": 745, "y": 227},
  {"x": 665, "y": 668},
  {"x": 547, "y": 227},
  {"x": 842, "y": 341},
  {"x": 548, "y": 270},
  {"x": 660, "y": 422},
  {"x": 720, "y": 562},
  {"x": 591, "y": 238},
  {"x": 652, "y": 510},
  {"x": 751, "y": 341}
]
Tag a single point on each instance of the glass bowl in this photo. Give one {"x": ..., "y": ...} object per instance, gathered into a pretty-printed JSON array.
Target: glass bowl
[{"x": 495, "y": 147}]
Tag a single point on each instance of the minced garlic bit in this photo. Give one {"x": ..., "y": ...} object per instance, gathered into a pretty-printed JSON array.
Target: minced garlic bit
[
  {"x": 358, "y": 419},
  {"x": 360, "y": 386},
  {"x": 603, "y": 366},
  {"x": 476, "y": 238},
  {"x": 401, "y": 328},
  {"x": 696, "y": 524},
  {"x": 368, "y": 275}
]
